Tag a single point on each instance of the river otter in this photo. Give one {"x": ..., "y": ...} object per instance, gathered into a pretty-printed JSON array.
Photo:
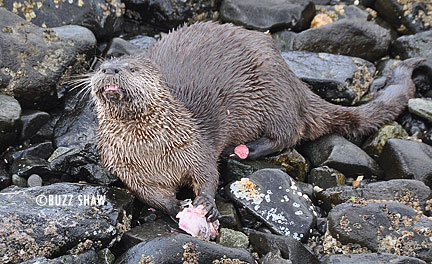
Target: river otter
[{"x": 165, "y": 117}]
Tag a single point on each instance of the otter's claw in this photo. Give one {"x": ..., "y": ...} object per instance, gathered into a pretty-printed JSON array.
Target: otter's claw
[{"x": 209, "y": 205}]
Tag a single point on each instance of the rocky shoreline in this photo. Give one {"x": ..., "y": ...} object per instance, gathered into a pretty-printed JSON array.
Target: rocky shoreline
[{"x": 333, "y": 200}]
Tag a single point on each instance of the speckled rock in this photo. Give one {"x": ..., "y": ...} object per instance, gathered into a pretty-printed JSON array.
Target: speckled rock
[
  {"x": 180, "y": 248},
  {"x": 19, "y": 181},
  {"x": 293, "y": 163},
  {"x": 89, "y": 257},
  {"x": 338, "y": 153},
  {"x": 103, "y": 18},
  {"x": 10, "y": 111},
  {"x": 289, "y": 248},
  {"x": 406, "y": 17},
  {"x": 375, "y": 143},
  {"x": 372, "y": 258},
  {"x": 142, "y": 41},
  {"x": 326, "y": 177},
  {"x": 405, "y": 159},
  {"x": 284, "y": 40},
  {"x": 382, "y": 227},
  {"x": 31, "y": 121},
  {"x": 168, "y": 14},
  {"x": 352, "y": 37},
  {"x": 231, "y": 238},
  {"x": 36, "y": 60},
  {"x": 421, "y": 107},
  {"x": 274, "y": 198},
  {"x": 336, "y": 78},
  {"x": 274, "y": 257},
  {"x": 410, "y": 192},
  {"x": 75, "y": 218},
  {"x": 270, "y": 14},
  {"x": 417, "y": 45}
]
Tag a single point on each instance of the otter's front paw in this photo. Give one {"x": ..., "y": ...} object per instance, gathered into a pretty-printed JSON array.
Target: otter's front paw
[{"x": 209, "y": 205}]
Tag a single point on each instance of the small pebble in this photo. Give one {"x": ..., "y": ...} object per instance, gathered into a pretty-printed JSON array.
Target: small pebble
[{"x": 34, "y": 180}]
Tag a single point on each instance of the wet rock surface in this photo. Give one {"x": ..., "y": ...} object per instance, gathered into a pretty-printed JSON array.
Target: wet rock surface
[
  {"x": 405, "y": 159},
  {"x": 269, "y": 15},
  {"x": 34, "y": 59},
  {"x": 411, "y": 192},
  {"x": 338, "y": 79},
  {"x": 103, "y": 18},
  {"x": 338, "y": 153},
  {"x": 417, "y": 45},
  {"x": 352, "y": 37},
  {"x": 273, "y": 197},
  {"x": 372, "y": 258},
  {"x": 10, "y": 112},
  {"x": 382, "y": 227},
  {"x": 180, "y": 248},
  {"x": 75, "y": 218},
  {"x": 337, "y": 200}
]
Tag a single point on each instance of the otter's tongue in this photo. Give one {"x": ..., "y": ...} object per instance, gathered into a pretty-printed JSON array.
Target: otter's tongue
[{"x": 111, "y": 88}]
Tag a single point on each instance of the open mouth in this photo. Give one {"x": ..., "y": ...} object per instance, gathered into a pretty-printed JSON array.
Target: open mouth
[{"x": 111, "y": 88}]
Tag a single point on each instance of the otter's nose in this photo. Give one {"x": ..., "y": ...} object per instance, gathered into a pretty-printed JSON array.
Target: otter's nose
[{"x": 111, "y": 69}]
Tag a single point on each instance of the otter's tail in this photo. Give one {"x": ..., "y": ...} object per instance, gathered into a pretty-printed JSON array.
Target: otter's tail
[{"x": 386, "y": 105}]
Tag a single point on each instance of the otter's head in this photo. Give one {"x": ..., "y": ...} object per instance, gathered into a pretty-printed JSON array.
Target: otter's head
[{"x": 126, "y": 86}]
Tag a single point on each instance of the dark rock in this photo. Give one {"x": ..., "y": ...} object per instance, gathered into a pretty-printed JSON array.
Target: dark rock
[
  {"x": 274, "y": 257},
  {"x": 268, "y": 15},
  {"x": 352, "y": 37},
  {"x": 148, "y": 231},
  {"x": 82, "y": 164},
  {"x": 274, "y": 198},
  {"x": 34, "y": 180},
  {"x": 289, "y": 247},
  {"x": 10, "y": 111},
  {"x": 386, "y": 66},
  {"x": 406, "y": 17},
  {"x": 75, "y": 217},
  {"x": 336, "y": 78},
  {"x": 338, "y": 153},
  {"x": 231, "y": 238},
  {"x": 119, "y": 47},
  {"x": 228, "y": 215},
  {"x": 375, "y": 143},
  {"x": 24, "y": 167},
  {"x": 233, "y": 170},
  {"x": 421, "y": 107},
  {"x": 293, "y": 163},
  {"x": 372, "y": 258},
  {"x": 143, "y": 42},
  {"x": 36, "y": 60},
  {"x": 422, "y": 78},
  {"x": 382, "y": 227},
  {"x": 41, "y": 150},
  {"x": 404, "y": 159},
  {"x": 103, "y": 18},
  {"x": 411, "y": 192},
  {"x": 180, "y": 248},
  {"x": 284, "y": 40},
  {"x": 31, "y": 121},
  {"x": 326, "y": 177},
  {"x": 5, "y": 178},
  {"x": 417, "y": 45},
  {"x": 412, "y": 124},
  {"x": 88, "y": 257},
  {"x": 168, "y": 14},
  {"x": 106, "y": 256},
  {"x": 19, "y": 181}
]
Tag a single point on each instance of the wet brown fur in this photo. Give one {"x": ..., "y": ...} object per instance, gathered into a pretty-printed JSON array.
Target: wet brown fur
[{"x": 205, "y": 87}]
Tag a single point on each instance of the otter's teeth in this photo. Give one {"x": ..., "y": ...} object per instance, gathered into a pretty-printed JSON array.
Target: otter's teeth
[{"x": 111, "y": 87}]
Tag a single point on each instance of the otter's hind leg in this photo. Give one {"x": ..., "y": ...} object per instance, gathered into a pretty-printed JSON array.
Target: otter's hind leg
[{"x": 160, "y": 199}]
